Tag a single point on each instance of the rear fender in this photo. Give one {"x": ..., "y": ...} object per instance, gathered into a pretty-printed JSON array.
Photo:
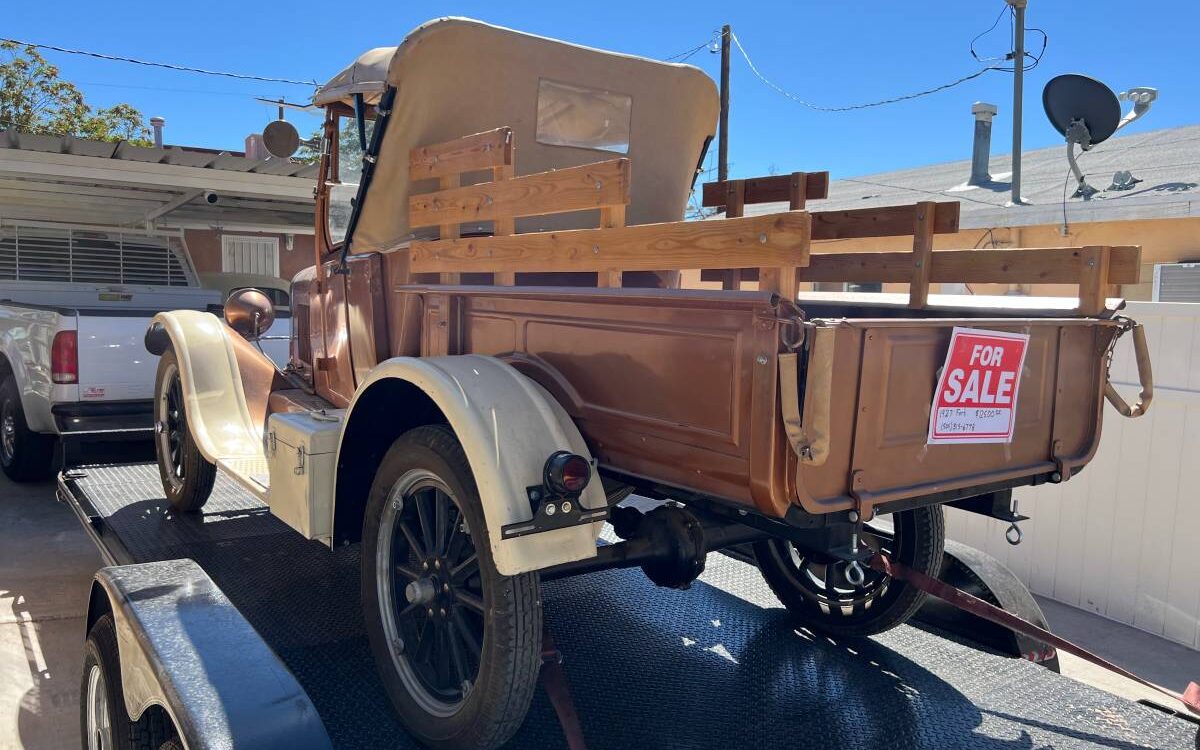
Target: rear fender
[
  {"x": 508, "y": 426},
  {"x": 219, "y": 417}
]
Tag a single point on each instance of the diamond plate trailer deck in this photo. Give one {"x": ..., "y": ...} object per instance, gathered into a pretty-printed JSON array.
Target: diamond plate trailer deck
[{"x": 716, "y": 666}]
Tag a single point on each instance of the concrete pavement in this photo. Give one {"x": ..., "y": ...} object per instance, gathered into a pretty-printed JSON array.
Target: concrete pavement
[{"x": 46, "y": 567}]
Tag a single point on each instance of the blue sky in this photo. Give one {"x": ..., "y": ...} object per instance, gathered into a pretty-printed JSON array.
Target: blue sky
[{"x": 831, "y": 52}]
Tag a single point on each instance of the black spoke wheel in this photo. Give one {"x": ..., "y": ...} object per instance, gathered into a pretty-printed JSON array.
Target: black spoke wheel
[
  {"x": 457, "y": 643},
  {"x": 187, "y": 476},
  {"x": 818, "y": 592}
]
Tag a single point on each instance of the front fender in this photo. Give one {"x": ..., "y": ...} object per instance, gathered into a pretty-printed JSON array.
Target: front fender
[
  {"x": 219, "y": 417},
  {"x": 508, "y": 426}
]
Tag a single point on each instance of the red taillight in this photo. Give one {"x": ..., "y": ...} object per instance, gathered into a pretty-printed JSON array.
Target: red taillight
[
  {"x": 64, "y": 357},
  {"x": 567, "y": 473}
]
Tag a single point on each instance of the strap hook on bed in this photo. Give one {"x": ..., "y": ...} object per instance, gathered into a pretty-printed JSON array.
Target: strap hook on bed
[{"x": 1141, "y": 353}]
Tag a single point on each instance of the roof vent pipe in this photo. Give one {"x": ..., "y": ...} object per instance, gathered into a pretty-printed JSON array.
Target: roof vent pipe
[
  {"x": 981, "y": 153},
  {"x": 157, "y": 123}
]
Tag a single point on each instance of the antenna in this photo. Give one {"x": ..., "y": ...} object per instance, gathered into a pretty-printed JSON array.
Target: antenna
[{"x": 1087, "y": 113}]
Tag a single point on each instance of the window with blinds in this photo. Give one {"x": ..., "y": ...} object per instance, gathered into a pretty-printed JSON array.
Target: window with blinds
[
  {"x": 1177, "y": 282},
  {"x": 249, "y": 254},
  {"x": 33, "y": 253}
]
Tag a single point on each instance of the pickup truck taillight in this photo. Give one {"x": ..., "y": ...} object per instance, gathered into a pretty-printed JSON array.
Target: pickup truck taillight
[{"x": 64, "y": 357}]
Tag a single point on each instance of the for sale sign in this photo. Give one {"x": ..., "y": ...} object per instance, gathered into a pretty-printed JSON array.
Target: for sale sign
[{"x": 976, "y": 396}]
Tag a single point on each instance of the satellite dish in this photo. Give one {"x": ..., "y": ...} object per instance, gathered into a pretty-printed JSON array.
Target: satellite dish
[
  {"x": 281, "y": 139},
  {"x": 1073, "y": 98}
]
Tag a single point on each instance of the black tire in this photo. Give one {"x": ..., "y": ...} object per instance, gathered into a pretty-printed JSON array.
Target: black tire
[
  {"x": 492, "y": 622},
  {"x": 25, "y": 455},
  {"x": 187, "y": 476},
  {"x": 102, "y": 670},
  {"x": 817, "y": 595}
]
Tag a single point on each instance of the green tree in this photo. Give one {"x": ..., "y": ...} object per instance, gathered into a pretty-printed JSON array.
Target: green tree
[
  {"x": 349, "y": 153},
  {"x": 35, "y": 99}
]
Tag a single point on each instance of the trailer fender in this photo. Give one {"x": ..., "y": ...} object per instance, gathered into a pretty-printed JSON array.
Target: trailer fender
[
  {"x": 218, "y": 415},
  {"x": 508, "y": 426},
  {"x": 183, "y": 646}
]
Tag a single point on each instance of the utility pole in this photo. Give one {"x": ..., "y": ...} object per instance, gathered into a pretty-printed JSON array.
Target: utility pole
[
  {"x": 723, "y": 136},
  {"x": 1018, "y": 7}
]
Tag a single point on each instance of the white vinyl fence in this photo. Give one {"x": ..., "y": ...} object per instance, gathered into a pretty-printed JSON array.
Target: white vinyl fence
[{"x": 1122, "y": 538}]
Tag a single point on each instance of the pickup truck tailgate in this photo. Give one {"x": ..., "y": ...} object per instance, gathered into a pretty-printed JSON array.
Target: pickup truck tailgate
[
  {"x": 113, "y": 362},
  {"x": 873, "y": 428}
]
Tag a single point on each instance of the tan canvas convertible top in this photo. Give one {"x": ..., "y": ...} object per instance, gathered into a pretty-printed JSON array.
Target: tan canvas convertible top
[{"x": 456, "y": 76}]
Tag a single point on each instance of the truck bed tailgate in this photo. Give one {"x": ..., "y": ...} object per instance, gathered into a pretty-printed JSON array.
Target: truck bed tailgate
[{"x": 874, "y": 425}]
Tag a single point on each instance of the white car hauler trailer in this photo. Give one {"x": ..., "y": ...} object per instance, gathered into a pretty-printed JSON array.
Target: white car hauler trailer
[{"x": 240, "y": 633}]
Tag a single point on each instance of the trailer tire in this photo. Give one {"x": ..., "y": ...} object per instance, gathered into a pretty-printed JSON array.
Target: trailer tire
[
  {"x": 25, "y": 455},
  {"x": 102, "y": 699},
  {"x": 187, "y": 476},
  {"x": 917, "y": 540},
  {"x": 495, "y": 620}
]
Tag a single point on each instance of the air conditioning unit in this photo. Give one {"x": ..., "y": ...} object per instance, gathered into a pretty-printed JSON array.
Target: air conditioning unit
[{"x": 1177, "y": 282}]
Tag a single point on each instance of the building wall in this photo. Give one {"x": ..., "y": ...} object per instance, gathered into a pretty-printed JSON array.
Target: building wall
[
  {"x": 1161, "y": 240},
  {"x": 1120, "y": 538},
  {"x": 204, "y": 246}
]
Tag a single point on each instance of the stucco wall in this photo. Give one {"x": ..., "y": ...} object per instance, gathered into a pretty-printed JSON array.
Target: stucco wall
[{"x": 204, "y": 246}]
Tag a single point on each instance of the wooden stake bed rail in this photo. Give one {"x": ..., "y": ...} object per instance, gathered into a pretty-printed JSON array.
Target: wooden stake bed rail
[
  {"x": 772, "y": 248},
  {"x": 777, "y": 243}
]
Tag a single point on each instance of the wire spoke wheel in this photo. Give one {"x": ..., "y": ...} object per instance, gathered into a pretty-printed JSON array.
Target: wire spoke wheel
[
  {"x": 457, "y": 642},
  {"x": 823, "y": 578},
  {"x": 814, "y": 586},
  {"x": 430, "y": 591},
  {"x": 187, "y": 476}
]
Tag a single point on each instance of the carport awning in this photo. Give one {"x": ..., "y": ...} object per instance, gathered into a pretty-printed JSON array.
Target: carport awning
[{"x": 73, "y": 180}]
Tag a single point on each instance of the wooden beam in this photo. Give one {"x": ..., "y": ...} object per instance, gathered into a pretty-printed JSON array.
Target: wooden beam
[
  {"x": 735, "y": 206},
  {"x": 922, "y": 254},
  {"x": 771, "y": 240},
  {"x": 470, "y": 154},
  {"x": 782, "y": 280},
  {"x": 1093, "y": 279},
  {"x": 589, "y": 186},
  {"x": 504, "y": 225},
  {"x": 1047, "y": 265},
  {"x": 449, "y": 231},
  {"x": 773, "y": 189},
  {"x": 886, "y": 221},
  {"x": 610, "y": 218}
]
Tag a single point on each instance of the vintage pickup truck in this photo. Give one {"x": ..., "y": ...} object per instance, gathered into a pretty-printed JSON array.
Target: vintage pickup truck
[{"x": 492, "y": 351}]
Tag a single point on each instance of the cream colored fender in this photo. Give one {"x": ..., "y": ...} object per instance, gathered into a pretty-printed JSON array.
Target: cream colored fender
[
  {"x": 217, "y": 415},
  {"x": 508, "y": 426}
]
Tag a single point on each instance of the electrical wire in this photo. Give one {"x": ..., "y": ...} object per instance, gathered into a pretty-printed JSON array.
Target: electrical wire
[
  {"x": 821, "y": 108},
  {"x": 1006, "y": 9},
  {"x": 680, "y": 57},
  {"x": 168, "y": 66}
]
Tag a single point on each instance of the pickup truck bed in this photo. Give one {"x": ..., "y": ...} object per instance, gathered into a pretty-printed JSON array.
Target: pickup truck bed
[{"x": 644, "y": 672}]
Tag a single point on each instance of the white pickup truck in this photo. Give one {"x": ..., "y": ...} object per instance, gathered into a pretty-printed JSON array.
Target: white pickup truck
[{"x": 73, "y": 364}]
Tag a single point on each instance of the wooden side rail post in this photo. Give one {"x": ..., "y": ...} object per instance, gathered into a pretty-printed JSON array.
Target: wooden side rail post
[
  {"x": 447, "y": 162},
  {"x": 734, "y": 195},
  {"x": 918, "y": 288}
]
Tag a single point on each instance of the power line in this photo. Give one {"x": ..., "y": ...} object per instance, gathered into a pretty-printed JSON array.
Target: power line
[
  {"x": 168, "y": 66},
  {"x": 820, "y": 108},
  {"x": 688, "y": 53}
]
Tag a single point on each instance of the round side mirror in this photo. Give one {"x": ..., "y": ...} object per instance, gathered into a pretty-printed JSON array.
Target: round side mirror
[{"x": 250, "y": 313}]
